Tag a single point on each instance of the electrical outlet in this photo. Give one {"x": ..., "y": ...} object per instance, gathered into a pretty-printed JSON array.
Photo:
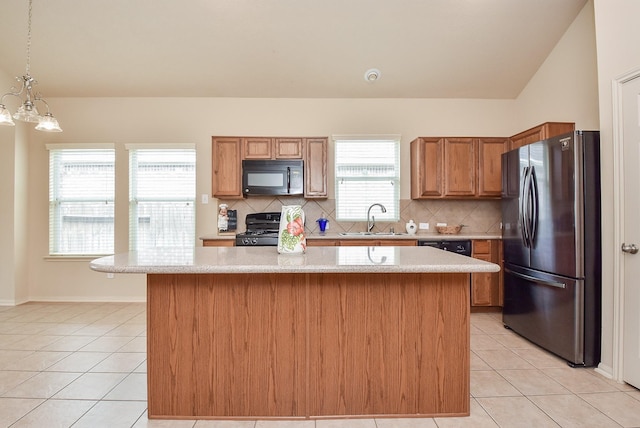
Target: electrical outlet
[{"x": 423, "y": 226}]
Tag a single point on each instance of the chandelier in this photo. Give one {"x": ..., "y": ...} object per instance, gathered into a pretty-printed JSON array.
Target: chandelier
[{"x": 28, "y": 111}]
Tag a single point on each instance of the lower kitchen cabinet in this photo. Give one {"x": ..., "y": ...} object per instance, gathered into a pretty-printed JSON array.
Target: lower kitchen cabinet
[
  {"x": 231, "y": 242},
  {"x": 486, "y": 288},
  {"x": 322, "y": 242}
]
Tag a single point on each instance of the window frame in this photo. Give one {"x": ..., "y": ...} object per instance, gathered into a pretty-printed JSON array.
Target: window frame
[
  {"x": 134, "y": 198},
  {"x": 393, "y": 207},
  {"x": 56, "y": 200}
]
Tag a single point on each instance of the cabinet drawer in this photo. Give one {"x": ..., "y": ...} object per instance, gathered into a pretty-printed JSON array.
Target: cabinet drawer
[
  {"x": 219, "y": 242},
  {"x": 481, "y": 247}
]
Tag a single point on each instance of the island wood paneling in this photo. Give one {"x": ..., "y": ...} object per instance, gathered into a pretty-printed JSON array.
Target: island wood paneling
[
  {"x": 226, "y": 345},
  {"x": 307, "y": 345},
  {"x": 389, "y": 344}
]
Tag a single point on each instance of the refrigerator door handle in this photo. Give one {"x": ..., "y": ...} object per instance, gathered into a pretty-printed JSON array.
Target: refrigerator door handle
[
  {"x": 533, "y": 184},
  {"x": 523, "y": 207},
  {"x": 536, "y": 280}
]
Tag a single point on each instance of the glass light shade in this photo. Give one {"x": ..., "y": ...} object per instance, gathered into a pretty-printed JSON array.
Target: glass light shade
[
  {"x": 5, "y": 116},
  {"x": 48, "y": 123},
  {"x": 27, "y": 113}
]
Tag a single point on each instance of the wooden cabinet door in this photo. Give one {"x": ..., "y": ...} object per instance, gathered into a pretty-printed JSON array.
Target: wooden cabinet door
[
  {"x": 540, "y": 132},
  {"x": 257, "y": 148},
  {"x": 426, "y": 168},
  {"x": 226, "y": 174},
  {"x": 482, "y": 286},
  {"x": 490, "y": 152},
  {"x": 272, "y": 148},
  {"x": 551, "y": 129},
  {"x": 288, "y": 148},
  {"x": 459, "y": 167},
  {"x": 485, "y": 287},
  {"x": 526, "y": 137},
  {"x": 315, "y": 168}
]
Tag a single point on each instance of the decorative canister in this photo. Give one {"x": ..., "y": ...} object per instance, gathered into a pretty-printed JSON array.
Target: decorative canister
[
  {"x": 291, "y": 238},
  {"x": 223, "y": 218},
  {"x": 412, "y": 228}
]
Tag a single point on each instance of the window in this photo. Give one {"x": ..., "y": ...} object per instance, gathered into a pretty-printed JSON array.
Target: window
[
  {"x": 367, "y": 172},
  {"x": 162, "y": 192},
  {"x": 81, "y": 200}
]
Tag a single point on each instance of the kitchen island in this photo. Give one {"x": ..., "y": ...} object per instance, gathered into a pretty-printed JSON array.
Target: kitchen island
[{"x": 243, "y": 332}]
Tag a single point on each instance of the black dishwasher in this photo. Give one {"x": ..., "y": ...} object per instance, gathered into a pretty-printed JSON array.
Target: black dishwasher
[{"x": 461, "y": 247}]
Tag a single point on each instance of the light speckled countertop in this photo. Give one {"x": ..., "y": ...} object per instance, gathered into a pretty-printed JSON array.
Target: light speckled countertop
[
  {"x": 315, "y": 260},
  {"x": 374, "y": 236},
  {"x": 418, "y": 236}
]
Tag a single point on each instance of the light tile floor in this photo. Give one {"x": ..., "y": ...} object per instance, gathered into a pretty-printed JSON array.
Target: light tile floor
[{"x": 84, "y": 365}]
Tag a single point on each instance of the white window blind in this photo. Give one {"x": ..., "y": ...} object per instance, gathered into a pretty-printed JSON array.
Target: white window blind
[
  {"x": 81, "y": 201},
  {"x": 367, "y": 171},
  {"x": 162, "y": 192}
]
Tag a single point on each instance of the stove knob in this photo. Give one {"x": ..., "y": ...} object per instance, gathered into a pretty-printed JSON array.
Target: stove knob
[
  {"x": 245, "y": 241},
  {"x": 254, "y": 241}
]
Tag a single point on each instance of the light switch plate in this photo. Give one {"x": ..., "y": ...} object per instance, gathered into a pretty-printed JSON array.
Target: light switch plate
[
  {"x": 205, "y": 198},
  {"x": 423, "y": 226}
]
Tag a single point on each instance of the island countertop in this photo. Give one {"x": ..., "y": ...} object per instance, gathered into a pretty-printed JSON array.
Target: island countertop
[{"x": 229, "y": 260}]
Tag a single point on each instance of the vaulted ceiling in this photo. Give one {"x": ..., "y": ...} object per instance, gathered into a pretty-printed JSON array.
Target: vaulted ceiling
[{"x": 282, "y": 48}]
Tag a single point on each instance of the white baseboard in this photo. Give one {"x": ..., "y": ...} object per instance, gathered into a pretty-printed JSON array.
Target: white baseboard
[
  {"x": 604, "y": 370},
  {"x": 83, "y": 299},
  {"x": 12, "y": 302}
]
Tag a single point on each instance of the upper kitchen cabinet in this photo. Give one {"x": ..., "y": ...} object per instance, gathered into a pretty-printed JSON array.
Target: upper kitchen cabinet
[
  {"x": 490, "y": 152},
  {"x": 226, "y": 177},
  {"x": 272, "y": 148},
  {"x": 456, "y": 168},
  {"x": 426, "y": 168},
  {"x": 228, "y": 152},
  {"x": 289, "y": 148},
  {"x": 540, "y": 132},
  {"x": 459, "y": 167},
  {"x": 315, "y": 168}
]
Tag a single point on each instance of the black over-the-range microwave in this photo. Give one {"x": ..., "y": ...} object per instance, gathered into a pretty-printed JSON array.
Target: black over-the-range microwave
[{"x": 272, "y": 177}]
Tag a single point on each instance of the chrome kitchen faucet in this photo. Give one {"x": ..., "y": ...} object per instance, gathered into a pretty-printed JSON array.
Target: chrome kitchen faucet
[{"x": 371, "y": 221}]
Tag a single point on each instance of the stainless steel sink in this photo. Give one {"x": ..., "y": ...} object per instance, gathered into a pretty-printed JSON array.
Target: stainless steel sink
[{"x": 389, "y": 233}]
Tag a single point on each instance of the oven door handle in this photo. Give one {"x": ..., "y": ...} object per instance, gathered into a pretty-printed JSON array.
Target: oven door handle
[{"x": 288, "y": 179}]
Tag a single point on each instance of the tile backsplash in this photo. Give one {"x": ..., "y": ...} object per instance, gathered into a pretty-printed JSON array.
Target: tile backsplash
[{"x": 478, "y": 216}]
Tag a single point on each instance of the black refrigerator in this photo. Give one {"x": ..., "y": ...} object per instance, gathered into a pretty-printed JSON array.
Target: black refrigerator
[{"x": 552, "y": 251}]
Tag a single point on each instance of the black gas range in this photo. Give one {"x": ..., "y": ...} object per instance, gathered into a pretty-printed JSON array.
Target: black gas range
[{"x": 262, "y": 230}]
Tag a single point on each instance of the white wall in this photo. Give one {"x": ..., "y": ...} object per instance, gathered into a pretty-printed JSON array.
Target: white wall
[
  {"x": 7, "y": 168},
  {"x": 13, "y": 212},
  {"x": 564, "y": 89},
  {"x": 617, "y": 39}
]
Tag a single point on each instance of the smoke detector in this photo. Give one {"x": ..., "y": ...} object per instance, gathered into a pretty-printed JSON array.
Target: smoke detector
[{"x": 372, "y": 75}]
